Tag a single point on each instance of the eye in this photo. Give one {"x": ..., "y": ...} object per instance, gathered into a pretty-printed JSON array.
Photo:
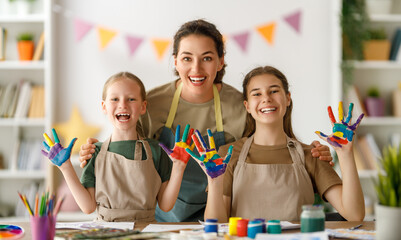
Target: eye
[
  {"x": 113, "y": 99},
  {"x": 256, "y": 94},
  {"x": 131, "y": 99},
  {"x": 186, "y": 59},
  {"x": 207, "y": 59}
]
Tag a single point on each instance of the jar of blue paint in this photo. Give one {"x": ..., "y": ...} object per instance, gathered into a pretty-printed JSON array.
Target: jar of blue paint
[
  {"x": 211, "y": 225},
  {"x": 312, "y": 218},
  {"x": 254, "y": 227},
  {"x": 273, "y": 227}
]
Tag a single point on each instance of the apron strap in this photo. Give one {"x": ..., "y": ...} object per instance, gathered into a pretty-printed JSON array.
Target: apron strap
[
  {"x": 295, "y": 147},
  {"x": 245, "y": 149},
  {"x": 104, "y": 147},
  {"x": 176, "y": 99}
]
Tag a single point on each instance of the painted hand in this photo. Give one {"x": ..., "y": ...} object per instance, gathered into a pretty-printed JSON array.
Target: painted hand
[
  {"x": 55, "y": 151},
  {"x": 178, "y": 152},
  {"x": 214, "y": 164},
  {"x": 343, "y": 132}
]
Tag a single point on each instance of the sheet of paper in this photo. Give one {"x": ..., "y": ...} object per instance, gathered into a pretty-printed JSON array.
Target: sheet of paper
[
  {"x": 352, "y": 234},
  {"x": 167, "y": 227},
  {"x": 94, "y": 224},
  {"x": 293, "y": 236},
  {"x": 289, "y": 225}
]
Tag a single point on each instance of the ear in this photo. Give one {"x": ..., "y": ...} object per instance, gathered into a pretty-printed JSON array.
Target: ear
[
  {"x": 288, "y": 99},
  {"x": 143, "y": 107},
  {"x": 221, "y": 63},
  {"x": 175, "y": 60},
  {"x": 246, "y": 106},
  {"x": 104, "y": 107}
]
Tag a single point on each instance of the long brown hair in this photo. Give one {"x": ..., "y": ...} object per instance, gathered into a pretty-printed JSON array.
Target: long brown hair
[
  {"x": 203, "y": 28},
  {"x": 250, "y": 121}
]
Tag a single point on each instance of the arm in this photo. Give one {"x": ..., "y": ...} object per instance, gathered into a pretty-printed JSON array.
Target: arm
[
  {"x": 60, "y": 156},
  {"x": 214, "y": 166},
  {"x": 347, "y": 198},
  {"x": 85, "y": 153}
]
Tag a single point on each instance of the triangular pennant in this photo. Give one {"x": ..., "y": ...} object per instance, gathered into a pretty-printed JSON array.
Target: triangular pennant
[
  {"x": 161, "y": 46},
  {"x": 242, "y": 40},
  {"x": 133, "y": 43},
  {"x": 294, "y": 20},
  {"x": 224, "y": 37},
  {"x": 81, "y": 28},
  {"x": 105, "y": 36},
  {"x": 267, "y": 31}
]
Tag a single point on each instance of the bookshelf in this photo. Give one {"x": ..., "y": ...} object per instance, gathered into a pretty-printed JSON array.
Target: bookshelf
[
  {"x": 16, "y": 131},
  {"x": 386, "y": 75}
]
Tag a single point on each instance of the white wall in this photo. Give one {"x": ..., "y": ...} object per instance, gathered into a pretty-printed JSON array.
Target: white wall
[{"x": 306, "y": 58}]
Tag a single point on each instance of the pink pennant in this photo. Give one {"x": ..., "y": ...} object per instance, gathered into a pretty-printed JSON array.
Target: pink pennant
[
  {"x": 81, "y": 28},
  {"x": 294, "y": 20},
  {"x": 242, "y": 40},
  {"x": 133, "y": 43}
]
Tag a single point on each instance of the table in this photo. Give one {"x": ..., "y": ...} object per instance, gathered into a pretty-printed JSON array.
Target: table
[{"x": 367, "y": 225}]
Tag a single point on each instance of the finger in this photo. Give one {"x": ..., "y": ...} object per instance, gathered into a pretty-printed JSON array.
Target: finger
[
  {"x": 322, "y": 135},
  {"x": 55, "y": 136},
  {"x": 177, "y": 133},
  {"x": 349, "y": 115},
  {"x": 46, "y": 146},
  {"x": 331, "y": 115},
  {"x": 316, "y": 144},
  {"x": 166, "y": 149},
  {"x": 92, "y": 141},
  {"x": 83, "y": 164},
  {"x": 48, "y": 140},
  {"x": 200, "y": 140},
  {"x": 44, "y": 153},
  {"x": 191, "y": 132},
  {"x": 211, "y": 139},
  {"x": 72, "y": 143},
  {"x": 197, "y": 143},
  {"x": 340, "y": 111},
  {"x": 358, "y": 121},
  {"x": 190, "y": 152},
  {"x": 185, "y": 134},
  {"x": 331, "y": 163},
  {"x": 192, "y": 146},
  {"x": 228, "y": 156}
]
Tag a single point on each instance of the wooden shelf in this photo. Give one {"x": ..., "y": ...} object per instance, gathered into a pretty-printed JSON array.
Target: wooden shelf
[
  {"x": 31, "y": 18},
  {"x": 22, "y": 122},
  {"x": 22, "y": 65},
  {"x": 20, "y": 174},
  {"x": 381, "y": 121},
  {"x": 385, "y": 18},
  {"x": 376, "y": 64}
]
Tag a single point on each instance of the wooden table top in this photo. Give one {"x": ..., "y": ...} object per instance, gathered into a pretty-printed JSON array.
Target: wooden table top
[{"x": 367, "y": 225}]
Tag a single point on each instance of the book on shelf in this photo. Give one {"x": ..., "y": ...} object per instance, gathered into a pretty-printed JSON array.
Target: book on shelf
[
  {"x": 24, "y": 99},
  {"x": 3, "y": 42},
  {"x": 6, "y": 99},
  {"x": 39, "y": 48},
  {"x": 36, "y": 108},
  {"x": 369, "y": 151},
  {"x": 395, "y": 46},
  {"x": 353, "y": 96},
  {"x": 359, "y": 161},
  {"x": 29, "y": 155}
]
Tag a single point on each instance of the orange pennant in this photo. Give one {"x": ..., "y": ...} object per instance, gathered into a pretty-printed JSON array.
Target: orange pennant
[
  {"x": 161, "y": 46},
  {"x": 267, "y": 31},
  {"x": 105, "y": 36}
]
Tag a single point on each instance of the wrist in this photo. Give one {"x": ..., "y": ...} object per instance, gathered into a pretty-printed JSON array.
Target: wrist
[{"x": 66, "y": 165}]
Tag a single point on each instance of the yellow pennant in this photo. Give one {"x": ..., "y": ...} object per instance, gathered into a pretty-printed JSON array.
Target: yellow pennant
[
  {"x": 267, "y": 31},
  {"x": 161, "y": 46},
  {"x": 105, "y": 36}
]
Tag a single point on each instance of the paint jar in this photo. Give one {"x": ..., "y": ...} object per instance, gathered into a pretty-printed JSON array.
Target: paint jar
[
  {"x": 273, "y": 227},
  {"x": 312, "y": 218},
  {"x": 211, "y": 225},
  {"x": 263, "y": 222},
  {"x": 254, "y": 227},
  {"x": 242, "y": 227},
  {"x": 232, "y": 225}
]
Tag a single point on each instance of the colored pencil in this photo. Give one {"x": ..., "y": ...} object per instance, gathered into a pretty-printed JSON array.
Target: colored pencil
[{"x": 36, "y": 204}]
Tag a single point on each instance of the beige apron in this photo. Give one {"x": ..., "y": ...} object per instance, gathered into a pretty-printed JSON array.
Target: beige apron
[
  {"x": 271, "y": 191},
  {"x": 126, "y": 190}
]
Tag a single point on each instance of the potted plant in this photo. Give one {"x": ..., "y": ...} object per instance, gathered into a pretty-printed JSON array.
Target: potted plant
[
  {"x": 22, "y": 7},
  {"x": 374, "y": 103},
  {"x": 377, "y": 47},
  {"x": 388, "y": 188},
  {"x": 25, "y": 46}
]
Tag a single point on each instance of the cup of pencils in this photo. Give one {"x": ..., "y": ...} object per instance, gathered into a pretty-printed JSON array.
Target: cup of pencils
[{"x": 43, "y": 215}]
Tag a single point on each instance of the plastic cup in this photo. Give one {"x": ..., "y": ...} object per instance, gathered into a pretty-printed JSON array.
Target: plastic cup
[{"x": 43, "y": 227}]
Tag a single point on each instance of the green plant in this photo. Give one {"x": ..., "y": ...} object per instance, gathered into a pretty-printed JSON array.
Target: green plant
[
  {"x": 377, "y": 34},
  {"x": 25, "y": 37},
  {"x": 373, "y": 92},
  {"x": 388, "y": 186}
]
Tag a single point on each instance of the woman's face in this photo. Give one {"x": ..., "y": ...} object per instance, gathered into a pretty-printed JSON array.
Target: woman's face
[
  {"x": 197, "y": 63},
  {"x": 267, "y": 100}
]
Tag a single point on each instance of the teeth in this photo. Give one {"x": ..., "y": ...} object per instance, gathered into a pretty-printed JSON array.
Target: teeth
[
  {"x": 267, "y": 110},
  {"x": 197, "y": 79},
  {"x": 123, "y": 114}
]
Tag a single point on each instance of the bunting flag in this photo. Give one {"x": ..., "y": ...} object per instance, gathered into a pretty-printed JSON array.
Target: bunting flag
[
  {"x": 294, "y": 20},
  {"x": 133, "y": 43},
  {"x": 105, "y": 36},
  {"x": 242, "y": 40},
  {"x": 81, "y": 28},
  {"x": 160, "y": 46},
  {"x": 267, "y": 32}
]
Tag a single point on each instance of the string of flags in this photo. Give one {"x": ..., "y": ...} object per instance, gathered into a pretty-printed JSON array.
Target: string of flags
[{"x": 105, "y": 35}]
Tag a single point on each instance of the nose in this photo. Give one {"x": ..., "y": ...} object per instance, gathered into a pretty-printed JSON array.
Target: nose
[
  {"x": 196, "y": 65},
  {"x": 266, "y": 98},
  {"x": 122, "y": 104}
]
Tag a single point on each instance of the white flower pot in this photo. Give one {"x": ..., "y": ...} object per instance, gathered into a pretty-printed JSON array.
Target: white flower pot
[
  {"x": 388, "y": 221},
  {"x": 379, "y": 6}
]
